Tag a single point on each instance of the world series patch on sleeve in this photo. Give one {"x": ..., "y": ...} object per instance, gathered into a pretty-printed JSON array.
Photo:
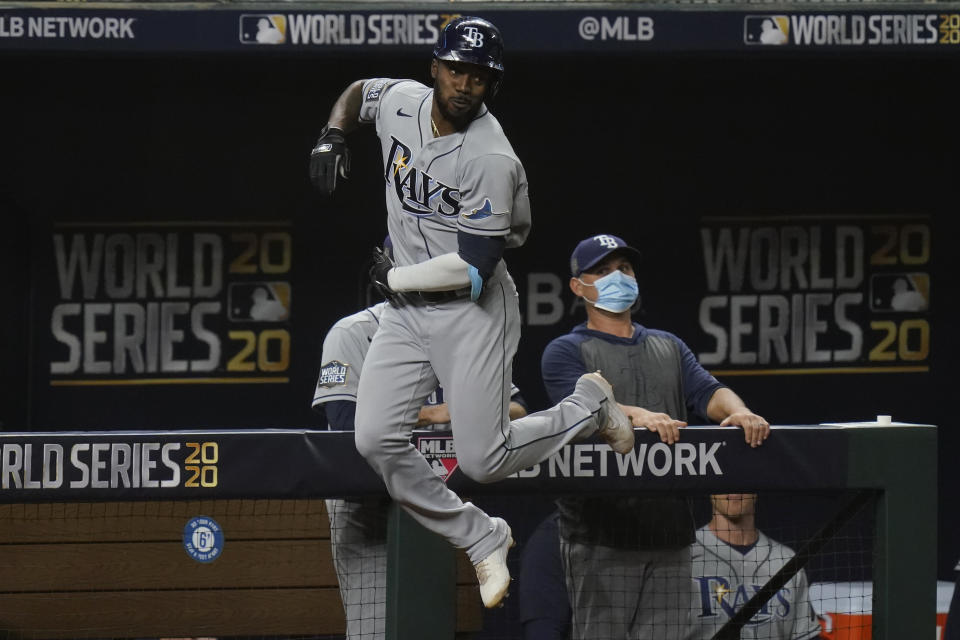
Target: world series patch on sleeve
[{"x": 333, "y": 374}]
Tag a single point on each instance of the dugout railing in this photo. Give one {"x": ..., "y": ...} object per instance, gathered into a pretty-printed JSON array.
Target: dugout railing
[{"x": 890, "y": 468}]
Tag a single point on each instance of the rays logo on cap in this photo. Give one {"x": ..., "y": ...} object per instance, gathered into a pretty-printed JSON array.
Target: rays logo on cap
[
  {"x": 607, "y": 241},
  {"x": 440, "y": 453},
  {"x": 203, "y": 539}
]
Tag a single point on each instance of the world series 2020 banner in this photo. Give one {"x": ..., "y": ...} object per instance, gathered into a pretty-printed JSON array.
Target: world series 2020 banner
[
  {"x": 153, "y": 304},
  {"x": 837, "y": 294}
]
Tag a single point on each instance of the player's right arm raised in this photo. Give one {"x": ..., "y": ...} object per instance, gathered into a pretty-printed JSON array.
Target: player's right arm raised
[{"x": 330, "y": 157}]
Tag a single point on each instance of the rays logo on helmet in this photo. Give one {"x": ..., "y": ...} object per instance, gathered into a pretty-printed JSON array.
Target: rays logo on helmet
[{"x": 474, "y": 36}]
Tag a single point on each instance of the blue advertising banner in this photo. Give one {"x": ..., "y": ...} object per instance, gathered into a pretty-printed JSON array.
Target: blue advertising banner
[
  {"x": 557, "y": 30},
  {"x": 163, "y": 302},
  {"x": 292, "y": 463}
]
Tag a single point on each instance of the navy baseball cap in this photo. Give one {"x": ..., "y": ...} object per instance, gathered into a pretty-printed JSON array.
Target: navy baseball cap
[{"x": 594, "y": 249}]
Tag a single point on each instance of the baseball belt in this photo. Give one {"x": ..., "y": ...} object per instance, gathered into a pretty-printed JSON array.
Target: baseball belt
[{"x": 439, "y": 297}]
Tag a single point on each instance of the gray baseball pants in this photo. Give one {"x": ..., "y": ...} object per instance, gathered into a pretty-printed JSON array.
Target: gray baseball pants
[{"x": 467, "y": 347}]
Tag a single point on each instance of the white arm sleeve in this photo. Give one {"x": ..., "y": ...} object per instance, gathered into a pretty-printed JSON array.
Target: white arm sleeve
[{"x": 443, "y": 273}]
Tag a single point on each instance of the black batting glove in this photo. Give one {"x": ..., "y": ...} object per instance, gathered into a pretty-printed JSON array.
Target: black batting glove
[
  {"x": 329, "y": 159},
  {"x": 378, "y": 278}
]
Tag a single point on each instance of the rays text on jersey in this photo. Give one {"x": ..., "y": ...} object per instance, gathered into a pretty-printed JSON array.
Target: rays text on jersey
[
  {"x": 418, "y": 192},
  {"x": 719, "y": 597}
]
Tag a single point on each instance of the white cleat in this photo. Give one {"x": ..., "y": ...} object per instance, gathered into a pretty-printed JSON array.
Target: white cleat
[
  {"x": 615, "y": 427},
  {"x": 492, "y": 572}
]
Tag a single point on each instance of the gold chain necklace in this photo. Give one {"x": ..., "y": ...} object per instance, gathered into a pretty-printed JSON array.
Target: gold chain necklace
[{"x": 436, "y": 132}]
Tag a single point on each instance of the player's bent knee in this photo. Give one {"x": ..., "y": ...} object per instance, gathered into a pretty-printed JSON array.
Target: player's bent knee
[
  {"x": 367, "y": 445},
  {"x": 373, "y": 443}
]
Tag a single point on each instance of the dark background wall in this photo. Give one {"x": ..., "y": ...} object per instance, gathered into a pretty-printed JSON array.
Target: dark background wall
[{"x": 653, "y": 148}]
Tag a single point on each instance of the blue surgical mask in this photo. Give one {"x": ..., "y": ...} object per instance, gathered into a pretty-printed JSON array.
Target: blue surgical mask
[{"x": 616, "y": 291}]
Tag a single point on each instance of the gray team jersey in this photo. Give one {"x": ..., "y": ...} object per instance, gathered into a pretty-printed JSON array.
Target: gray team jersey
[
  {"x": 344, "y": 349},
  {"x": 469, "y": 180},
  {"x": 725, "y": 579}
]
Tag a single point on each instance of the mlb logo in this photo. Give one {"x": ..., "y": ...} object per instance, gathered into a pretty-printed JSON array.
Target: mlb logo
[
  {"x": 259, "y": 301},
  {"x": 766, "y": 30},
  {"x": 900, "y": 292},
  {"x": 263, "y": 28},
  {"x": 440, "y": 453}
]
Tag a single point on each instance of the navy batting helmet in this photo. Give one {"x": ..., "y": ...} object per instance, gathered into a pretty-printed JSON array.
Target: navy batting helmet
[{"x": 475, "y": 41}]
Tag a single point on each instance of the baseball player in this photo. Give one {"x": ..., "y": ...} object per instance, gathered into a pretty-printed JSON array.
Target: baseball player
[
  {"x": 731, "y": 560},
  {"x": 456, "y": 197},
  {"x": 358, "y": 526}
]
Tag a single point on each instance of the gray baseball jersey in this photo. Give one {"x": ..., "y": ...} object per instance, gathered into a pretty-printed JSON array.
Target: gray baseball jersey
[
  {"x": 724, "y": 579},
  {"x": 344, "y": 349},
  {"x": 469, "y": 181}
]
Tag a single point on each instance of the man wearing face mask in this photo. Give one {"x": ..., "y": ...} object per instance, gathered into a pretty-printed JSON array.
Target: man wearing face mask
[{"x": 625, "y": 559}]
